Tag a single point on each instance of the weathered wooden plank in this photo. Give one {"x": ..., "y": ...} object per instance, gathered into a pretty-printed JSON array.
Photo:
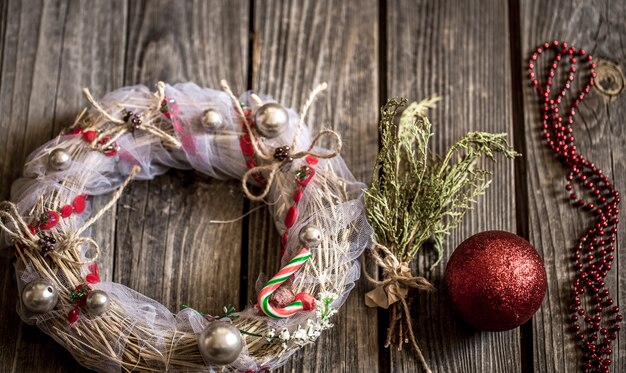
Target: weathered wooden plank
[
  {"x": 50, "y": 51},
  {"x": 555, "y": 225},
  {"x": 460, "y": 51},
  {"x": 297, "y": 45},
  {"x": 69, "y": 47},
  {"x": 165, "y": 246}
]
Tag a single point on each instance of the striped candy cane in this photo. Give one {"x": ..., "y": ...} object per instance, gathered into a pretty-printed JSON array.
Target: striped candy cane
[{"x": 303, "y": 301}]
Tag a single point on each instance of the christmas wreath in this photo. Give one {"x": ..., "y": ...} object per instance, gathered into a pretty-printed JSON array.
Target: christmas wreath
[{"x": 134, "y": 133}]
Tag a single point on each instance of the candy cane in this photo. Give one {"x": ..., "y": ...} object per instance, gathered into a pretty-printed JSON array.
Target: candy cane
[{"x": 303, "y": 301}]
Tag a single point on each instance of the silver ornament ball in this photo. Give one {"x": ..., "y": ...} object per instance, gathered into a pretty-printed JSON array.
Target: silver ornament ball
[
  {"x": 212, "y": 119},
  {"x": 271, "y": 119},
  {"x": 220, "y": 343},
  {"x": 40, "y": 296},
  {"x": 310, "y": 236},
  {"x": 59, "y": 160},
  {"x": 97, "y": 302}
]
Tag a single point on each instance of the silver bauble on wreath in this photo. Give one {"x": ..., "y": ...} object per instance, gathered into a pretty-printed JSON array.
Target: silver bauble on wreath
[
  {"x": 212, "y": 119},
  {"x": 97, "y": 302},
  {"x": 271, "y": 119},
  {"x": 220, "y": 343},
  {"x": 59, "y": 160},
  {"x": 310, "y": 236},
  {"x": 40, "y": 296}
]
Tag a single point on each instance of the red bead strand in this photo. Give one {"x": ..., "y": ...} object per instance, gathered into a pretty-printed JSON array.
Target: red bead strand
[
  {"x": 596, "y": 323},
  {"x": 305, "y": 172},
  {"x": 246, "y": 144}
]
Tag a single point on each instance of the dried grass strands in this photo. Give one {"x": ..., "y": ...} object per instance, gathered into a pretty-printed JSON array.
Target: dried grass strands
[{"x": 119, "y": 337}]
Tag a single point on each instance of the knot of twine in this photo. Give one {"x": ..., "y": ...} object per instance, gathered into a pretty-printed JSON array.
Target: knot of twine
[
  {"x": 276, "y": 164},
  {"x": 273, "y": 165},
  {"x": 397, "y": 279},
  {"x": 394, "y": 287},
  {"x": 148, "y": 125},
  {"x": 14, "y": 225}
]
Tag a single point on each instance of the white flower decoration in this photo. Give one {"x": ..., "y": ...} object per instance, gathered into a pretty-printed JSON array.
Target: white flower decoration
[{"x": 314, "y": 327}]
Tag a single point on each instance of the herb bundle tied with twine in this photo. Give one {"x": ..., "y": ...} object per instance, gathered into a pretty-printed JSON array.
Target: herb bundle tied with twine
[{"x": 416, "y": 196}]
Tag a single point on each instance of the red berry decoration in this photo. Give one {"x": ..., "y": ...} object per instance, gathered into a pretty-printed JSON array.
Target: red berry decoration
[
  {"x": 89, "y": 136},
  {"x": 297, "y": 195},
  {"x": 246, "y": 145},
  {"x": 66, "y": 211},
  {"x": 496, "y": 280},
  {"x": 311, "y": 159},
  {"x": 251, "y": 163},
  {"x": 72, "y": 316},
  {"x": 285, "y": 238},
  {"x": 111, "y": 149},
  {"x": 94, "y": 276},
  {"x": 291, "y": 216},
  {"x": 49, "y": 220},
  {"x": 304, "y": 175},
  {"x": 165, "y": 109},
  {"x": 80, "y": 202}
]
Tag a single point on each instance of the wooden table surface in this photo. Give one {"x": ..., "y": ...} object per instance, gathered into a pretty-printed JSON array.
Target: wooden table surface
[{"x": 158, "y": 239}]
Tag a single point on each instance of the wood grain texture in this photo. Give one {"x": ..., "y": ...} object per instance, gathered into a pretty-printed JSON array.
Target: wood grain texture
[
  {"x": 50, "y": 51},
  {"x": 298, "y": 45},
  {"x": 166, "y": 248},
  {"x": 158, "y": 239},
  {"x": 460, "y": 51},
  {"x": 555, "y": 225}
]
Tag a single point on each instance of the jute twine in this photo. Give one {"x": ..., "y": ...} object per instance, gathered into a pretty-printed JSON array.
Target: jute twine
[
  {"x": 14, "y": 225},
  {"x": 274, "y": 165},
  {"x": 91, "y": 343},
  {"x": 394, "y": 287}
]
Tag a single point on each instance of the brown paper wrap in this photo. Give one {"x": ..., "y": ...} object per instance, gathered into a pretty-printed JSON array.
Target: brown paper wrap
[
  {"x": 397, "y": 279},
  {"x": 394, "y": 288}
]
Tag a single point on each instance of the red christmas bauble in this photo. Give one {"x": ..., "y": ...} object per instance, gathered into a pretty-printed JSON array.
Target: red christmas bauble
[{"x": 496, "y": 280}]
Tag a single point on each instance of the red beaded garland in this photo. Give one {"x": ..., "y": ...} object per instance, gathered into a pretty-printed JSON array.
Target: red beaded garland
[
  {"x": 592, "y": 256},
  {"x": 303, "y": 175},
  {"x": 51, "y": 218},
  {"x": 247, "y": 146},
  {"x": 94, "y": 276},
  {"x": 291, "y": 216},
  {"x": 297, "y": 195}
]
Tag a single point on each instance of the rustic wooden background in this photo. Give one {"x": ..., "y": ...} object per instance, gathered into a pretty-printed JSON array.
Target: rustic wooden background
[{"x": 160, "y": 243}]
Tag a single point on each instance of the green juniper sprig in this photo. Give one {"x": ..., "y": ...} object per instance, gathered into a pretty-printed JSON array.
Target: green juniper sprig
[
  {"x": 415, "y": 195},
  {"x": 228, "y": 312}
]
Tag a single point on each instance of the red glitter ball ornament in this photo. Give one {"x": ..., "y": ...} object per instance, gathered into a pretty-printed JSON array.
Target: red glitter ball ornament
[{"x": 496, "y": 280}]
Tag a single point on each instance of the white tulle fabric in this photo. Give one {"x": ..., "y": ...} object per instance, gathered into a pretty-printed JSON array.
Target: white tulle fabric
[{"x": 216, "y": 153}]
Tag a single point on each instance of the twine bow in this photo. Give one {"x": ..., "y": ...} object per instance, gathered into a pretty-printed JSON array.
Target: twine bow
[
  {"x": 276, "y": 164},
  {"x": 394, "y": 288},
  {"x": 397, "y": 279},
  {"x": 14, "y": 225},
  {"x": 20, "y": 232},
  {"x": 148, "y": 126}
]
